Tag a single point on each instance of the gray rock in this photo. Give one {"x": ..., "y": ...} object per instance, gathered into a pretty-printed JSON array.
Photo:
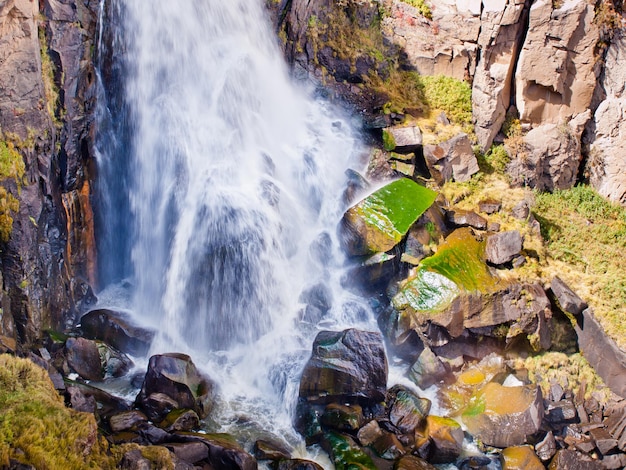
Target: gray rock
[
  {"x": 428, "y": 369},
  {"x": 546, "y": 448},
  {"x": 407, "y": 139},
  {"x": 567, "y": 298},
  {"x": 503, "y": 247},
  {"x": 127, "y": 420},
  {"x": 462, "y": 218},
  {"x": 453, "y": 159}
]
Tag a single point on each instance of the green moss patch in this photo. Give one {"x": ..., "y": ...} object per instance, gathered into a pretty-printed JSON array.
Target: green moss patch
[
  {"x": 345, "y": 455},
  {"x": 37, "y": 429}
]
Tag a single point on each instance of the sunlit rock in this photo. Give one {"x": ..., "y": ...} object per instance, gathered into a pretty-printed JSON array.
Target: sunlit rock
[
  {"x": 504, "y": 416},
  {"x": 381, "y": 220},
  {"x": 520, "y": 458},
  {"x": 411, "y": 462},
  {"x": 503, "y": 247},
  {"x": 175, "y": 376},
  {"x": 446, "y": 437},
  {"x": 348, "y": 366},
  {"x": 451, "y": 160}
]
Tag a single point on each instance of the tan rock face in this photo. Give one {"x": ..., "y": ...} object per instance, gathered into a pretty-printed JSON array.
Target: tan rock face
[
  {"x": 607, "y": 157},
  {"x": 491, "y": 89},
  {"x": 556, "y": 77},
  {"x": 22, "y": 99}
]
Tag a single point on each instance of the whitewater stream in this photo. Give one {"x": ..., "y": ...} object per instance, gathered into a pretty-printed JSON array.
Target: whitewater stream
[{"x": 220, "y": 192}]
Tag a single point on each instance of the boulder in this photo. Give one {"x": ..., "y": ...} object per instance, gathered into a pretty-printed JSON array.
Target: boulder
[
  {"x": 463, "y": 218},
  {"x": 91, "y": 399},
  {"x": 116, "y": 329},
  {"x": 453, "y": 159},
  {"x": 175, "y": 376},
  {"x": 503, "y": 247},
  {"x": 608, "y": 360},
  {"x": 411, "y": 462},
  {"x": 546, "y": 448},
  {"x": 567, "y": 299},
  {"x": 342, "y": 417},
  {"x": 504, "y": 416},
  {"x": 566, "y": 459},
  {"x": 550, "y": 158},
  {"x": 127, "y": 421},
  {"x": 407, "y": 411},
  {"x": 346, "y": 367},
  {"x": 446, "y": 437},
  {"x": 180, "y": 420},
  {"x": 298, "y": 464},
  {"x": 428, "y": 369},
  {"x": 224, "y": 451},
  {"x": 402, "y": 139},
  {"x": 388, "y": 446},
  {"x": 345, "y": 453},
  {"x": 370, "y": 433},
  {"x": 520, "y": 458},
  {"x": 190, "y": 452},
  {"x": 380, "y": 221},
  {"x": 83, "y": 357},
  {"x": 556, "y": 72},
  {"x": 266, "y": 450}
]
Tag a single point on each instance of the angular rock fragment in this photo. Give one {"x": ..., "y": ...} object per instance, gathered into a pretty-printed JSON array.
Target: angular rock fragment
[
  {"x": 568, "y": 300},
  {"x": 453, "y": 159},
  {"x": 503, "y": 247}
]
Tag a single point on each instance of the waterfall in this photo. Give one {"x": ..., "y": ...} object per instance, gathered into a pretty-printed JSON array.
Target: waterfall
[{"x": 224, "y": 183}]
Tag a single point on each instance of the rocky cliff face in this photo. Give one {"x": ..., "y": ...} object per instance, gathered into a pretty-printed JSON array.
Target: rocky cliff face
[
  {"x": 46, "y": 100},
  {"x": 543, "y": 62}
]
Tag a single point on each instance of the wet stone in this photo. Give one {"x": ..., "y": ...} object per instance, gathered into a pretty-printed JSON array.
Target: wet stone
[
  {"x": 428, "y": 369},
  {"x": 191, "y": 452},
  {"x": 408, "y": 411},
  {"x": 446, "y": 436},
  {"x": 180, "y": 420},
  {"x": 388, "y": 446},
  {"x": 369, "y": 433},
  {"x": 127, "y": 420},
  {"x": 411, "y": 462},
  {"x": 520, "y": 458},
  {"x": 342, "y": 417},
  {"x": 298, "y": 464},
  {"x": 266, "y": 450}
]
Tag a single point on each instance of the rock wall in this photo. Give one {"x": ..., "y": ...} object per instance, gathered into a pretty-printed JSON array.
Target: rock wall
[
  {"x": 542, "y": 61},
  {"x": 46, "y": 100}
]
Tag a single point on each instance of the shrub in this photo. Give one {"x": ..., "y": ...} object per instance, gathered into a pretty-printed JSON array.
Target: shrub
[{"x": 422, "y": 7}]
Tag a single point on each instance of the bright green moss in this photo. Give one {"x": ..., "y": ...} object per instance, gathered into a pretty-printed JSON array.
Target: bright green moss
[
  {"x": 345, "y": 456},
  {"x": 37, "y": 429}
]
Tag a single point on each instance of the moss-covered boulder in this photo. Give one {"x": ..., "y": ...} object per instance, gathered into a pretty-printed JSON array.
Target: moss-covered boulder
[
  {"x": 345, "y": 453},
  {"x": 504, "y": 416},
  {"x": 381, "y": 220},
  {"x": 37, "y": 429},
  {"x": 347, "y": 367}
]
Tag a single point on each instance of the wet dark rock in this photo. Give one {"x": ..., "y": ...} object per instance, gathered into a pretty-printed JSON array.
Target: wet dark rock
[
  {"x": 298, "y": 464},
  {"x": 356, "y": 186},
  {"x": 428, "y": 370},
  {"x": 411, "y": 462},
  {"x": 83, "y": 357},
  {"x": 318, "y": 300},
  {"x": 546, "y": 448},
  {"x": 566, "y": 459},
  {"x": 80, "y": 401},
  {"x": 503, "y": 247},
  {"x": 407, "y": 411},
  {"x": 372, "y": 275},
  {"x": 489, "y": 206},
  {"x": 453, "y": 159},
  {"x": 134, "y": 460},
  {"x": 476, "y": 462},
  {"x": 180, "y": 420},
  {"x": 369, "y": 433},
  {"x": 307, "y": 421},
  {"x": 342, "y": 417},
  {"x": 266, "y": 450},
  {"x": 224, "y": 452},
  {"x": 567, "y": 299},
  {"x": 107, "y": 405},
  {"x": 114, "y": 328},
  {"x": 191, "y": 452},
  {"x": 462, "y": 218},
  {"x": 153, "y": 434},
  {"x": 348, "y": 366},
  {"x": 388, "y": 446},
  {"x": 175, "y": 376},
  {"x": 614, "y": 461},
  {"x": 127, "y": 421}
]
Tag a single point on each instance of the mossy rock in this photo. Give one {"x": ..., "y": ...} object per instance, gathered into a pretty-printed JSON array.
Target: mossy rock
[
  {"x": 37, "y": 429},
  {"x": 380, "y": 221},
  {"x": 345, "y": 453}
]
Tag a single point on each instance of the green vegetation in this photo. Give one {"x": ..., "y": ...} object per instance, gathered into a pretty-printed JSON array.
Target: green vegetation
[
  {"x": 48, "y": 70},
  {"x": 495, "y": 160},
  {"x": 346, "y": 456},
  {"x": 37, "y": 429},
  {"x": 452, "y": 96},
  {"x": 11, "y": 166},
  {"x": 389, "y": 143},
  {"x": 583, "y": 232},
  {"x": 422, "y": 7}
]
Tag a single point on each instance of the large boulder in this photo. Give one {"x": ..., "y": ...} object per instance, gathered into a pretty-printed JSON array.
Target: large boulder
[
  {"x": 453, "y": 159},
  {"x": 175, "y": 376},
  {"x": 223, "y": 451},
  {"x": 347, "y": 367},
  {"x": 381, "y": 220},
  {"x": 116, "y": 329},
  {"x": 504, "y": 416}
]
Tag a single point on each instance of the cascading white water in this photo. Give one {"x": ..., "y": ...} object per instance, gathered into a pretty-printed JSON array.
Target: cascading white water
[{"x": 235, "y": 175}]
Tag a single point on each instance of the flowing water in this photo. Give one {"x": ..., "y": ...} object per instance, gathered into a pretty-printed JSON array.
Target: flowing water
[{"x": 220, "y": 191}]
